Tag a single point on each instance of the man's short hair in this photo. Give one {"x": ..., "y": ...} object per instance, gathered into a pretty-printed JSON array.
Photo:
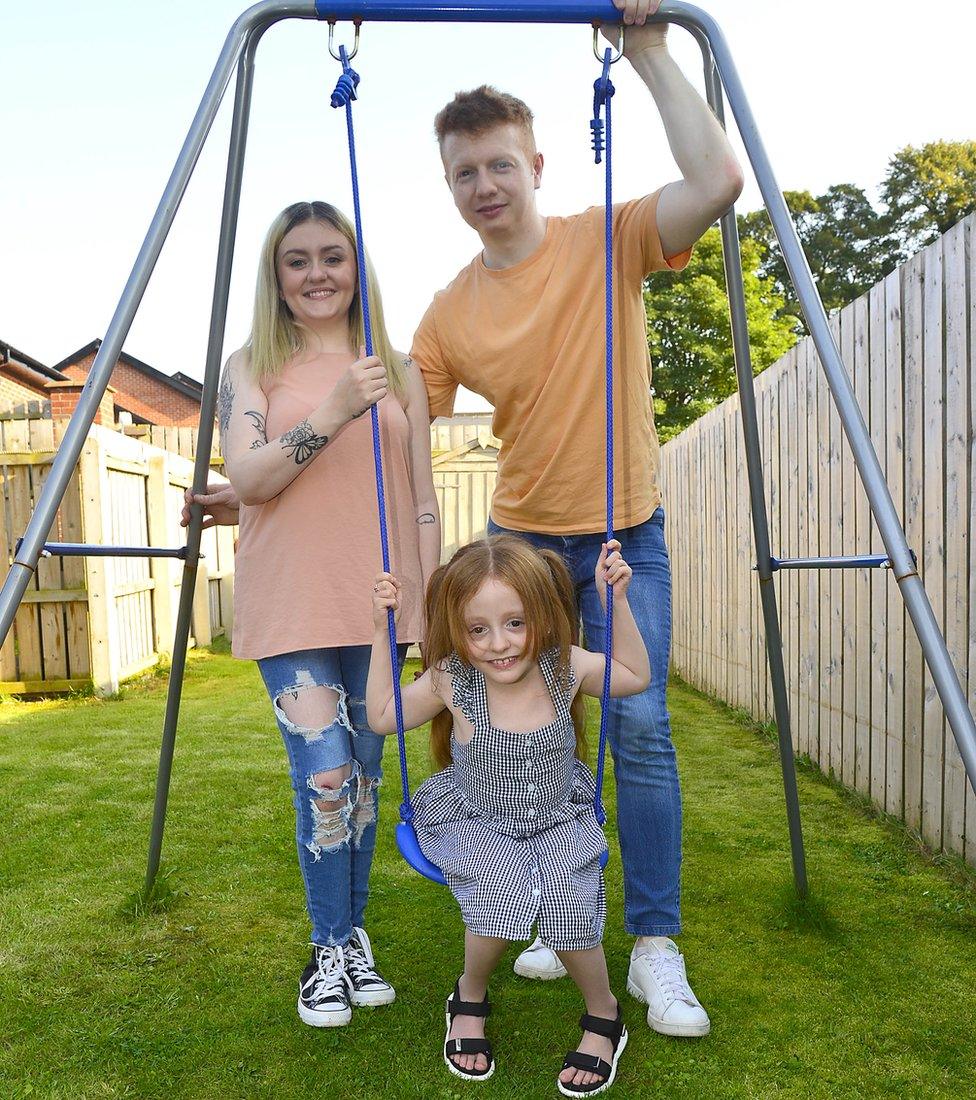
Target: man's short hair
[{"x": 483, "y": 109}]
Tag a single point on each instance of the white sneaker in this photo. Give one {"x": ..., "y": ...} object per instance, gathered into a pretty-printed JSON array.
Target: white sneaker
[
  {"x": 539, "y": 961},
  {"x": 657, "y": 977}
]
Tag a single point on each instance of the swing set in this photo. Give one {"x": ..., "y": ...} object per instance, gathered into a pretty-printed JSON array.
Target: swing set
[{"x": 720, "y": 73}]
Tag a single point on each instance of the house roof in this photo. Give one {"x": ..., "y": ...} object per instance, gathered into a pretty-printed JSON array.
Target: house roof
[
  {"x": 13, "y": 355},
  {"x": 180, "y": 382}
]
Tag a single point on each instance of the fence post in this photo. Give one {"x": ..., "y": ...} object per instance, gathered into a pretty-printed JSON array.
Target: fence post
[
  {"x": 99, "y": 572},
  {"x": 161, "y": 568}
]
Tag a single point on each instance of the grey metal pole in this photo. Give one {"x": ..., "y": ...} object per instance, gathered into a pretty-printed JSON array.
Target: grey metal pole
[
  {"x": 25, "y": 560},
  {"x": 882, "y": 507},
  {"x": 218, "y": 319},
  {"x": 732, "y": 259}
]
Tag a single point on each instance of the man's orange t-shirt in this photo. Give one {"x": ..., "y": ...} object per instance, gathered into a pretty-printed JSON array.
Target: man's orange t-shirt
[{"x": 531, "y": 339}]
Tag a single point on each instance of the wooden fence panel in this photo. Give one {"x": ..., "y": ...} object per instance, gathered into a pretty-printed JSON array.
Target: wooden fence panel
[{"x": 863, "y": 705}]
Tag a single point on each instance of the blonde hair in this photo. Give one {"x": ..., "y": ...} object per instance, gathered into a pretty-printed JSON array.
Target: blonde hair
[
  {"x": 275, "y": 337},
  {"x": 542, "y": 583}
]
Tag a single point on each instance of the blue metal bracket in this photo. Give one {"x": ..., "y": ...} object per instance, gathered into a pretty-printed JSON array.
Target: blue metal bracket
[{"x": 87, "y": 550}]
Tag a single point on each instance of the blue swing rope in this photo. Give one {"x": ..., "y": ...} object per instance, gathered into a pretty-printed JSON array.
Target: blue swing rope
[
  {"x": 343, "y": 96},
  {"x": 602, "y": 92}
]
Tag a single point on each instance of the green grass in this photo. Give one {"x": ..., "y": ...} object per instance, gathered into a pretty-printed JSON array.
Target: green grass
[{"x": 866, "y": 989}]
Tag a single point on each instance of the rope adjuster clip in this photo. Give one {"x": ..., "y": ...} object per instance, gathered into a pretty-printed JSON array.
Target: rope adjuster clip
[{"x": 602, "y": 91}]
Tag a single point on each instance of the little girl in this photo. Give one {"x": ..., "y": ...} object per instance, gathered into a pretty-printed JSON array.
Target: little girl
[{"x": 510, "y": 819}]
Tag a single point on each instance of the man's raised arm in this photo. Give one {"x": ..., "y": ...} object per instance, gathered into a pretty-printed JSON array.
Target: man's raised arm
[{"x": 711, "y": 177}]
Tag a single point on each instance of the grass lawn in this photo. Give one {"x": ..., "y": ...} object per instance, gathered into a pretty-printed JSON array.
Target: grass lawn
[{"x": 868, "y": 990}]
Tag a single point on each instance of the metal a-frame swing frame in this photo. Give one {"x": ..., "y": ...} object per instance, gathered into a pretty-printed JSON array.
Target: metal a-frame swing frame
[{"x": 720, "y": 72}]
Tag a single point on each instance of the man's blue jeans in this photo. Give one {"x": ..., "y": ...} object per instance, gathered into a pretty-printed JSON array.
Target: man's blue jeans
[
  {"x": 639, "y": 727},
  {"x": 335, "y": 828}
]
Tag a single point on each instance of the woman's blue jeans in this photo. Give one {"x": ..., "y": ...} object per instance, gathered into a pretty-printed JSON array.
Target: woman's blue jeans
[
  {"x": 639, "y": 726},
  {"x": 335, "y": 826}
]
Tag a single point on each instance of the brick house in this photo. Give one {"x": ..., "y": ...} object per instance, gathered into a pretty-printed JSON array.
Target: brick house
[
  {"x": 147, "y": 394},
  {"x": 23, "y": 380}
]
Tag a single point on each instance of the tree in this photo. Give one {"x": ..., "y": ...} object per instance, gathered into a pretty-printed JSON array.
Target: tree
[
  {"x": 690, "y": 335},
  {"x": 848, "y": 245},
  {"x": 928, "y": 190}
]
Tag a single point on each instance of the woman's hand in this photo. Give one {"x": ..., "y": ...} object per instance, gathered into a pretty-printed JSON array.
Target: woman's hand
[
  {"x": 612, "y": 569},
  {"x": 360, "y": 386},
  {"x": 386, "y": 594},
  {"x": 221, "y": 505}
]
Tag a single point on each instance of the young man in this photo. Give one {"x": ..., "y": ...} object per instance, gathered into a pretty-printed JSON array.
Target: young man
[{"x": 523, "y": 325}]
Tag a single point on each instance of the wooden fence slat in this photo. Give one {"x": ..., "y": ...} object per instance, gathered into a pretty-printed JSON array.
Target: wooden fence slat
[
  {"x": 835, "y": 529},
  {"x": 957, "y": 488},
  {"x": 895, "y": 618},
  {"x": 933, "y": 551},
  {"x": 862, "y": 538},
  {"x": 914, "y": 514},
  {"x": 848, "y": 631},
  {"x": 879, "y": 578},
  {"x": 970, "y": 848}
]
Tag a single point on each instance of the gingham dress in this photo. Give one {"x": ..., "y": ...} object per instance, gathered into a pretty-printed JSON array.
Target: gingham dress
[{"x": 511, "y": 823}]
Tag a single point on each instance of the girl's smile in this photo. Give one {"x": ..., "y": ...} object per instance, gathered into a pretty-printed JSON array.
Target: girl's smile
[{"x": 496, "y": 632}]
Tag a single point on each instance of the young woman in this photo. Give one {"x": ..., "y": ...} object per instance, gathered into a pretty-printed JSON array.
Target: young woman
[{"x": 299, "y": 454}]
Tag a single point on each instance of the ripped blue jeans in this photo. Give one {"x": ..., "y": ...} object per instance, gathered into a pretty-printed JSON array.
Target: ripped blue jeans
[{"x": 335, "y": 761}]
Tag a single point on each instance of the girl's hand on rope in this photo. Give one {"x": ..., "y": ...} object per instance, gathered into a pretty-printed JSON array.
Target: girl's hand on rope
[
  {"x": 361, "y": 385},
  {"x": 386, "y": 594},
  {"x": 612, "y": 569}
]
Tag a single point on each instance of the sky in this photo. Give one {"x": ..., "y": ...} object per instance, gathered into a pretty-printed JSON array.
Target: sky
[{"x": 98, "y": 97}]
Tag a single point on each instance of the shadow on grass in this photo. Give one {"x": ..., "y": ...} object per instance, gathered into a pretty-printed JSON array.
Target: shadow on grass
[
  {"x": 809, "y": 916},
  {"x": 163, "y": 897}
]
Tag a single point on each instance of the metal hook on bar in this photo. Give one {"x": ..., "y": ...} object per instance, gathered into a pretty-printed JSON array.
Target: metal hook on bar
[
  {"x": 597, "y": 53},
  {"x": 350, "y": 54}
]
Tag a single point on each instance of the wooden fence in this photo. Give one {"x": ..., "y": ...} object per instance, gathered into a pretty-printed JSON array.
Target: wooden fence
[
  {"x": 96, "y": 621},
  {"x": 863, "y": 706},
  {"x": 464, "y": 455}
]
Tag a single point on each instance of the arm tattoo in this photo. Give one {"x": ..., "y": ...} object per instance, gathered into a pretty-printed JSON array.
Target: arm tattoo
[
  {"x": 225, "y": 403},
  {"x": 260, "y": 426},
  {"x": 426, "y": 517},
  {"x": 301, "y": 442}
]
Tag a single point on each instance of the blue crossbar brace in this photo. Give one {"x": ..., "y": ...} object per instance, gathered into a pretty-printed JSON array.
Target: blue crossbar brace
[
  {"x": 469, "y": 11},
  {"x": 868, "y": 561},
  {"x": 89, "y": 550}
]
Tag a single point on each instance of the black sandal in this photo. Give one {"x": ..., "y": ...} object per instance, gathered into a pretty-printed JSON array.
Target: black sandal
[
  {"x": 615, "y": 1031},
  {"x": 457, "y": 1007}
]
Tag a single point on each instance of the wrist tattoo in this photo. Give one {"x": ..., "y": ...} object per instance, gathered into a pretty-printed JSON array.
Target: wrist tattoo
[
  {"x": 225, "y": 402},
  {"x": 301, "y": 442},
  {"x": 426, "y": 517}
]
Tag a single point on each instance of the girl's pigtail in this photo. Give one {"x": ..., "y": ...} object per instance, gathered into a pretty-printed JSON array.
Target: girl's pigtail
[
  {"x": 437, "y": 648},
  {"x": 566, "y": 626}
]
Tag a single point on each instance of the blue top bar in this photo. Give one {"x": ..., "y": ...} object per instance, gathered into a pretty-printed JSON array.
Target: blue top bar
[{"x": 470, "y": 11}]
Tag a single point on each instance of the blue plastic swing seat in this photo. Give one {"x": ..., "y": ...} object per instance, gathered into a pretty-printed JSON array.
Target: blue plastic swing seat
[{"x": 406, "y": 838}]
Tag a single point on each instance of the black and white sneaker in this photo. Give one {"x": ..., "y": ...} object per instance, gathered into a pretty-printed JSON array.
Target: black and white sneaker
[
  {"x": 366, "y": 985},
  {"x": 323, "y": 991}
]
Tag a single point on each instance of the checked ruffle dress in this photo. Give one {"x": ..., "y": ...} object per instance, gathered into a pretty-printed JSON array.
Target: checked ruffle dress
[{"x": 511, "y": 824}]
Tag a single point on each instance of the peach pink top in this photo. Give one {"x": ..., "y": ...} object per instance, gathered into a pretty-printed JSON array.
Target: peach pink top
[{"x": 307, "y": 559}]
